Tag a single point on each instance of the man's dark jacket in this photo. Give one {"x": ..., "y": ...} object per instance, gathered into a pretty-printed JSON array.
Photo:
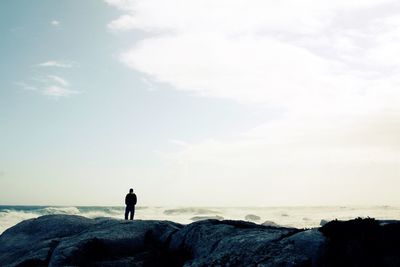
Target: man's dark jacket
[{"x": 130, "y": 200}]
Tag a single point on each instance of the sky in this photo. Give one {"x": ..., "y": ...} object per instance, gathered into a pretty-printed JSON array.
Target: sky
[{"x": 200, "y": 103}]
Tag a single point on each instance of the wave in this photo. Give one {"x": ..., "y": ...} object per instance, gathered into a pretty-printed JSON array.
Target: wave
[
  {"x": 9, "y": 218},
  {"x": 300, "y": 217},
  {"x": 189, "y": 211},
  {"x": 11, "y": 215}
]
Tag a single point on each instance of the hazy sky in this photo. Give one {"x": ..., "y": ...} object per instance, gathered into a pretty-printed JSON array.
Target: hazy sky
[{"x": 207, "y": 103}]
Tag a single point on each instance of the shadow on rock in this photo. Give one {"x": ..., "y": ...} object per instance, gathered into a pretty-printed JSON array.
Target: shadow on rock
[{"x": 362, "y": 242}]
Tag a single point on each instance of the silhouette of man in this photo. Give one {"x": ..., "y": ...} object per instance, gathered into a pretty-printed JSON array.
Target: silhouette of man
[{"x": 130, "y": 202}]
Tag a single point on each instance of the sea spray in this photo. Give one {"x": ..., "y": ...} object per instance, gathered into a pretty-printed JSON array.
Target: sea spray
[{"x": 299, "y": 217}]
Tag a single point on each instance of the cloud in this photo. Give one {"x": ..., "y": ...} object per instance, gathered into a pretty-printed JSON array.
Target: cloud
[
  {"x": 58, "y": 80},
  {"x": 50, "y": 85},
  {"x": 55, "y": 23},
  {"x": 248, "y": 70},
  {"x": 330, "y": 66},
  {"x": 58, "y": 91},
  {"x": 178, "y": 142},
  {"x": 26, "y": 86},
  {"x": 232, "y": 16},
  {"x": 295, "y": 161},
  {"x": 150, "y": 86},
  {"x": 123, "y": 23},
  {"x": 57, "y": 87},
  {"x": 58, "y": 64},
  {"x": 263, "y": 52}
]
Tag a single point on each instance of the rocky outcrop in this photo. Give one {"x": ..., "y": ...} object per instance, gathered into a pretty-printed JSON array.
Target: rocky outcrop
[
  {"x": 252, "y": 218},
  {"x": 62, "y": 240},
  {"x": 66, "y": 240},
  {"x": 270, "y": 223},
  {"x": 362, "y": 242}
]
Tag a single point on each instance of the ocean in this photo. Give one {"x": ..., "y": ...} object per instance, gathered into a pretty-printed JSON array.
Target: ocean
[{"x": 299, "y": 217}]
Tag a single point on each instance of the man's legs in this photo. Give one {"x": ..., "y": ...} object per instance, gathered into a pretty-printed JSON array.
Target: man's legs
[
  {"x": 132, "y": 212},
  {"x": 126, "y": 212}
]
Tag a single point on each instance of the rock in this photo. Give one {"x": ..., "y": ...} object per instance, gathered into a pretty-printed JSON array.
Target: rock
[
  {"x": 270, "y": 223},
  {"x": 323, "y": 222},
  {"x": 114, "y": 239},
  {"x": 60, "y": 240},
  {"x": 252, "y": 218},
  {"x": 200, "y": 218},
  {"x": 304, "y": 248},
  {"x": 226, "y": 243},
  {"x": 309, "y": 245},
  {"x": 32, "y": 241},
  {"x": 67, "y": 240},
  {"x": 362, "y": 242}
]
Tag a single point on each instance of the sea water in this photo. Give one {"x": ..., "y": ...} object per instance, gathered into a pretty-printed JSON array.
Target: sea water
[{"x": 299, "y": 217}]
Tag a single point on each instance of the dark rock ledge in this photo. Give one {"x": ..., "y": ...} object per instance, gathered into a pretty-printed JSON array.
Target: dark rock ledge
[{"x": 65, "y": 240}]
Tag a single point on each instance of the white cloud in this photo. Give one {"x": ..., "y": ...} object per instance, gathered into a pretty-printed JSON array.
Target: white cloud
[
  {"x": 123, "y": 23},
  {"x": 150, "y": 86},
  {"x": 308, "y": 160},
  {"x": 58, "y": 80},
  {"x": 55, "y": 23},
  {"x": 58, "y": 91},
  {"x": 59, "y": 64},
  {"x": 179, "y": 142},
  {"x": 251, "y": 69},
  {"x": 387, "y": 40},
  {"x": 26, "y": 86},
  {"x": 50, "y": 85},
  {"x": 231, "y": 16},
  {"x": 261, "y": 51},
  {"x": 331, "y": 66}
]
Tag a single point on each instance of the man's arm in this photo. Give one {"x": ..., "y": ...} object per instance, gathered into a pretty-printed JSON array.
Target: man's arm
[{"x": 134, "y": 199}]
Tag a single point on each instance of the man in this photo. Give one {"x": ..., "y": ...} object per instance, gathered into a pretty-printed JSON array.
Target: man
[{"x": 130, "y": 202}]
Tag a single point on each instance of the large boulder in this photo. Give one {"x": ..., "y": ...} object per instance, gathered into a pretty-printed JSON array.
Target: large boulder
[
  {"x": 65, "y": 240},
  {"x": 62, "y": 240},
  {"x": 116, "y": 240},
  {"x": 32, "y": 242},
  {"x": 362, "y": 242},
  {"x": 228, "y": 243}
]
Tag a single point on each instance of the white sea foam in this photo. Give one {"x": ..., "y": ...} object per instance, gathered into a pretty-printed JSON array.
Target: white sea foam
[
  {"x": 9, "y": 218},
  {"x": 60, "y": 210},
  {"x": 300, "y": 217}
]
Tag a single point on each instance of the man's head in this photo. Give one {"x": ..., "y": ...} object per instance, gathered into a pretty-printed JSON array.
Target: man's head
[{"x": 131, "y": 190}]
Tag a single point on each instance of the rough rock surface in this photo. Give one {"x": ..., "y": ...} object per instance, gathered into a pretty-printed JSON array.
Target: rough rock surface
[
  {"x": 362, "y": 242},
  {"x": 65, "y": 240}
]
